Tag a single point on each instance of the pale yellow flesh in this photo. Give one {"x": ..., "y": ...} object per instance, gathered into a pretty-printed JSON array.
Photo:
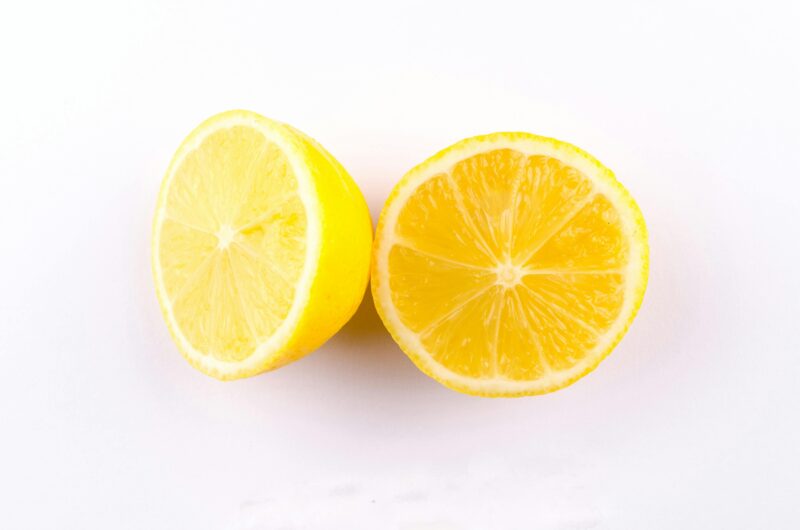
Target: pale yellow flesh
[
  {"x": 505, "y": 271},
  {"x": 232, "y": 245},
  {"x": 261, "y": 245}
]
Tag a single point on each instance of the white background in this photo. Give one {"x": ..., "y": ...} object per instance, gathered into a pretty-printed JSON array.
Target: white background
[{"x": 692, "y": 423}]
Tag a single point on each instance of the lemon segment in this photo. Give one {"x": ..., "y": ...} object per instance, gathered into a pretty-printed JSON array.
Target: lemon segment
[
  {"x": 261, "y": 245},
  {"x": 509, "y": 264}
]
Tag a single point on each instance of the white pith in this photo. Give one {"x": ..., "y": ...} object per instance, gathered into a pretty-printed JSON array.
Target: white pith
[
  {"x": 225, "y": 236},
  {"x": 509, "y": 274}
]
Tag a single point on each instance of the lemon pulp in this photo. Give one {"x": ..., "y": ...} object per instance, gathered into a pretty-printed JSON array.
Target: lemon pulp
[
  {"x": 261, "y": 245},
  {"x": 509, "y": 264}
]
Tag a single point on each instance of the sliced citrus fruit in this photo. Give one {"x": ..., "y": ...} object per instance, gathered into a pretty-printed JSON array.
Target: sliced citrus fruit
[
  {"x": 509, "y": 264},
  {"x": 261, "y": 245}
]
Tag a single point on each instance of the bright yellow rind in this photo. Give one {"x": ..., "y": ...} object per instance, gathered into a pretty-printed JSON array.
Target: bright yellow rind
[
  {"x": 337, "y": 243},
  {"x": 605, "y": 184}
]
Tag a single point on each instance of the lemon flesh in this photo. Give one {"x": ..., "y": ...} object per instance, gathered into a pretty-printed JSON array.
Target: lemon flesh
[
  {"x": 509, "y": 264},
  {"x": 261, "y": 245}
]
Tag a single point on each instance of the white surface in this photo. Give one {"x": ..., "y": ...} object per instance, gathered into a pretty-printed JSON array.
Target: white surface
[{"x": 692, "y": 423}]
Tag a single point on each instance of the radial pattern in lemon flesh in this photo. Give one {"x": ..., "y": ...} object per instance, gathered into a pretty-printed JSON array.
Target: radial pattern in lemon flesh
[
  {"x": 251, "y": 263},
  {"x": 249, "y": 230},
  {"x": 504, "y": 269}
]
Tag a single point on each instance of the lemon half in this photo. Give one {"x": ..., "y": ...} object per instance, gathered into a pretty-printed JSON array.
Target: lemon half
[
  {"x": 261, "y": 245},
  {"x": 509, "y": 264}
]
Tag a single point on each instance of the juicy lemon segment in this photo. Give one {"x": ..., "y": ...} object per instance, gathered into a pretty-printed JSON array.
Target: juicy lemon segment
[
  {"x": 509, "y": 264},
  {"x": 246, "y": 247}
]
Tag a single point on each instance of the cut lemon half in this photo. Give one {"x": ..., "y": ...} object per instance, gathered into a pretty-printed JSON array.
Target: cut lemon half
[
  {"x": 509, "y": 264},
  {"x": 261, "y": 245}
]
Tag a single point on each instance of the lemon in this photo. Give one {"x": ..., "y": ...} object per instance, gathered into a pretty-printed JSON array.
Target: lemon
[
  {"x": 261, "y": 245},
  {"x": 509, "y": 264}
]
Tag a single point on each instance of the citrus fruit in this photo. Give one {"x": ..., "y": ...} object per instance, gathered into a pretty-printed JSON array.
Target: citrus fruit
[
  {"x": 261, "y": 245},
  {"x": 509, "y": 264}
]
